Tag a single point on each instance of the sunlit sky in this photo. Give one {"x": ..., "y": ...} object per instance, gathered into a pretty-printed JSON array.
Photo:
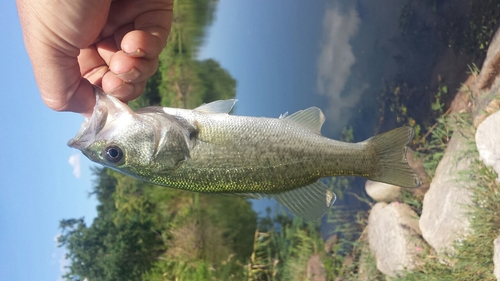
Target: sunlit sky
[{"x": 280, "y": 52}]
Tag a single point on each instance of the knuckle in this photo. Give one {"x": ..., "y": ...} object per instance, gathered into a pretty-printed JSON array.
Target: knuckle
[{"x": 58, "y": 105}]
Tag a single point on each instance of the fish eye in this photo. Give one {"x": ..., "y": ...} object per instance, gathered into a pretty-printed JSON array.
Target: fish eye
[{"x": 113, "y": 154}]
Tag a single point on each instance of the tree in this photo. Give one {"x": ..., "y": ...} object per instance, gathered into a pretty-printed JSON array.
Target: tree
[
  {"x": 111, "y": 248},
  {"x": 215, "y": 82}
]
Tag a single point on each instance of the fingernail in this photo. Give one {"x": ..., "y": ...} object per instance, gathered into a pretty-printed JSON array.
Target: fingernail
[
  {"x": 129, "y": 76},
  {"x": 122, "y": 91},
  {"x": 137, "y": 53},
  {"x": 111, "y": 92}
]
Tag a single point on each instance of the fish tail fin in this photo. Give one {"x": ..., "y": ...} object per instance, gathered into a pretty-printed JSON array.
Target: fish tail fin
[{"x": 391, "y": 148}]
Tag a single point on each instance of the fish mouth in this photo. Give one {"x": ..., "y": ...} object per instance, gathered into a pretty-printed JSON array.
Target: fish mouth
[
  {"x": 105, "y": 108},
  {"x": 91, "y": 126},
  {"x": 75, "y": 143}
]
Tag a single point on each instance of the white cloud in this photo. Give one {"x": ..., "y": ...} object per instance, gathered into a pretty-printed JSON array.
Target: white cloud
[
  {"x": 336, "y": 60},
  {"x": 74, "y": 161},
  {"x": 56, "y": 238}
]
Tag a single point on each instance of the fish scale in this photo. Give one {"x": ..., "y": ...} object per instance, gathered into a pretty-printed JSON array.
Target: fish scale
[{"x": 289, "y": 158}]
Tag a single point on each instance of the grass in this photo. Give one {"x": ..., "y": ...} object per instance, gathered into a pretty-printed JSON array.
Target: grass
[{"x": 472, "y": 259}]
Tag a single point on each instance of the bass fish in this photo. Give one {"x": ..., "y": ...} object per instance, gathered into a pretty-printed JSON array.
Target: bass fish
[{"x": 207, "y": 150}]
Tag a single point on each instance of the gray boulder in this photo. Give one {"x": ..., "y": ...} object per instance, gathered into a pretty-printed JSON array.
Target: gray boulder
[
  {"x": 394, "y": 237},
  {"x": 382, "y": 192},
  {"x": 496, "y": 257},
  {"x": 444, "y": 214},
  {"x": 488, "y": 141}
]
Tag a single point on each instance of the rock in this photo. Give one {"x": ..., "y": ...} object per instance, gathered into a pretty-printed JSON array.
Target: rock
[
  {"x": 496, "y": 257},
  {"x": 488, "y": 140},
  {"x": 486, "y": 91},
  {"x": 315, "y": 269},
  {"x": 462, "y": 101},
  {"x": 444, "y": 215},
  {"x": 486, "y": 104},
  {"x": 394, "y": 237},
  {"x": 382, "y": 192},
  {"x": 491, "y": 65},
  {"x": 330, "y": 243}
]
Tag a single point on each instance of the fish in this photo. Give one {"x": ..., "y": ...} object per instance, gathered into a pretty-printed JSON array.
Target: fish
[{"x": 208, "y": 150}]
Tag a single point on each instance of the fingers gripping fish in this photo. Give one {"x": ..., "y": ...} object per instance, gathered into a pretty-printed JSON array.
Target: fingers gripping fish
[{"x": 207, "y": 150}]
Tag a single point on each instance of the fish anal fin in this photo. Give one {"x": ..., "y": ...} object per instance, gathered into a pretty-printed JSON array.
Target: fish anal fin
[
  {"x": 220, "y": 106},
  {"x": 312, "y": 118}
]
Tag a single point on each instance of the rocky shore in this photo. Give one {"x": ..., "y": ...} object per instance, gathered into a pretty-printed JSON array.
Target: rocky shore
[
  {"x": 397, "y": 236},
  {"x": 400, "y": 239}
]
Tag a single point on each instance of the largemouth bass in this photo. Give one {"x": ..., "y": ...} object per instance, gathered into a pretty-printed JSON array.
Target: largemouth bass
[{"x": 207, "y": 150}]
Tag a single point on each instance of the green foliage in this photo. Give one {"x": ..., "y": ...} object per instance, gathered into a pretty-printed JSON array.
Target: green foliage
[
  {"x": 438, "y": 105},
  {"x": 197, "y": 250},
  {"x": 433, "y": 150},
  {"x": 238, "y": 224},
  {"x": 282, "y": 248},
  {"x": 110, "y": 248},
  {"x": 432, "y": 145},
  {"x": 215, "y": 82},
  {"x": 413, "y": 201},
  {"x": 347, "y": 134},
  {"x": 473, "y": 70},
  {"x": 150, "y": 232}
]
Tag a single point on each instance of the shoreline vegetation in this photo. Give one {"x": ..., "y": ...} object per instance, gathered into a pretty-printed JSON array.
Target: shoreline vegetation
[{"x": 145, "y": 232}]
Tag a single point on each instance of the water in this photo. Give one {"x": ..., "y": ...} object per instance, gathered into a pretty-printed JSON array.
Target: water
[{"x": 367, "y": 64}]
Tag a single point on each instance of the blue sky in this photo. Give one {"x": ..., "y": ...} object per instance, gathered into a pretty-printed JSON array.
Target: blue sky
[
  {"x": 271, "y": 48},
  {"x": 285, "y": 55},
  {"x": 37, "y": 186}
]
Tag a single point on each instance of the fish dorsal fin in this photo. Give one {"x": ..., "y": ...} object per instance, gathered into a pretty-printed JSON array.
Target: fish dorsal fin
[
  {"x": 284, "y": 115},
  {"x": 311, "y": 118},
  {"x": 309, "y": 202},
  {"x": 220, "y": 106}
]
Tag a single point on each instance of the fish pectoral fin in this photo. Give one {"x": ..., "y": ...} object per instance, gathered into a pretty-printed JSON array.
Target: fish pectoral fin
[
  {"x": 220, "y": 106},
  {"x": 309, "y": 202},
  {"x": 311, "y": 118}
]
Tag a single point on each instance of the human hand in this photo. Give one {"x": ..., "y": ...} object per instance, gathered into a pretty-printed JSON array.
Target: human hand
[{"x": 76, "y": 43}]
